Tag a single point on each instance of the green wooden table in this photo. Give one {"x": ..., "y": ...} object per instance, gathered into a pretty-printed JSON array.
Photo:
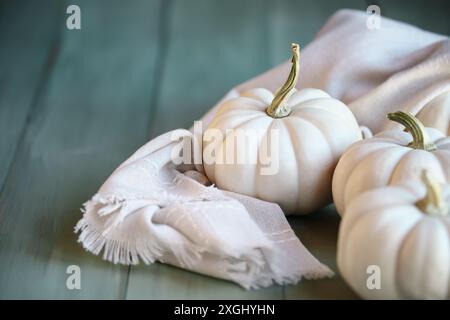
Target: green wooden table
[{"x": 76, "y": 103}]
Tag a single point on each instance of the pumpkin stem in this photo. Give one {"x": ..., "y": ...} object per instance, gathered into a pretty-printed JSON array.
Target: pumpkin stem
[
  {"x": 421, "y": 140},
  {"x": 279, "y": 108},
  {"x": 433, "y": 204}
]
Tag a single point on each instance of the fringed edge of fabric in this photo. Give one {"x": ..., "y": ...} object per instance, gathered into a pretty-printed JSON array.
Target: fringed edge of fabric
[
  {"x": 115, "y": 251},
  {"x": 319, "y": 272},
  {"x": 96, "y": 239}
]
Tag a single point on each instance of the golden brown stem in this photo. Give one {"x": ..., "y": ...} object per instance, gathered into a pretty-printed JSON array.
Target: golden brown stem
[
  {"x": 421, "y": 140},
  {"x": 279, "y": 108}
]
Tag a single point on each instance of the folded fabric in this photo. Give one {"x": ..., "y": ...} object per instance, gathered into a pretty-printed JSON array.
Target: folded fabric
[{"x": 150, "y": 209}]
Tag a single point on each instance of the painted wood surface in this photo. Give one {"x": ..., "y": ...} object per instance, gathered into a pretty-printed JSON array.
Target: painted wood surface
[
  {"x": 77, "y": 132},
  {"x": 75, "y": 104}
]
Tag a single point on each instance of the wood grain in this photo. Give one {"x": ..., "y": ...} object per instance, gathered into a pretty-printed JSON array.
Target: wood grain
[
  {"x": 25, "y": 59},
  {"x": 429, "y": 15},
  {"x": 75, "y": 104},
  {"x": 319, "y": 232},
  {"x": 91, "y": 114}
]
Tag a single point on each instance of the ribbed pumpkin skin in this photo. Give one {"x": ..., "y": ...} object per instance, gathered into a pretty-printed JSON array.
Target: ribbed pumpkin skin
[
  {"x": 386, "y": 159},
  {"x": 311, "y": 140},
  {"x": 384, "y": 228}
]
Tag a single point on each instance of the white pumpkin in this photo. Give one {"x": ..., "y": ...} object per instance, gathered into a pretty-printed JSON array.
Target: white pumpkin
[
  {"x": 389, "y": 158},
  {"x": 436, "y": 113},
  {"x": 394, "y": 242},
  {"x": 307, "y": 131}
]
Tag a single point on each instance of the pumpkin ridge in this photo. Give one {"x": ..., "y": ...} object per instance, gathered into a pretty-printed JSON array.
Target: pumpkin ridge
[
  {"x": 240, "y": 126},
  {"x": 222, "y": 116},
  {"x": 398, "y": 287},
  {"x": 442, "y": 143},
  {"x": 373, "y": 141},
  {"x": 377, "y": 209},
  {"x": 320, "y": 131},
  {"x": 391, "y": 176},
  {"x": 225, "y": 137},
  {"x": 367, "y": 214},
  {"x": 375, "y": 154},
  {"x": 246, "y": 123},
  {"x": 237, "y": 104},
  {"x": 299, "y": 113},
  {"x": 345, "y": 170},
  {"x": 441, "y": 158},
  {"x": 362, "y": 159},
  {"x": 215, "y": 126},
  {"x": 350, "y": 221},
  {"x": 226, "y": 118},
  {"x": 445, "y": 144},
  {"x": 404, "y": 242},
  {"x": 304, "y": 105},
  {"x": 446, "y": 223},
  {"x": 407, "y": 156},
  {"x": 258, "y": 163},
  {"x": 391, "y": 140},
  {"x": 237, "y": 110},
  {"x": 365, "y": 219},
  {"x": 313, "y": 116},
  {"x": 255, "y": 94},
  {"x": 330, "y": 152},
  {"x": 445, "y": 172},
  {"x": 290, "y": 129}
]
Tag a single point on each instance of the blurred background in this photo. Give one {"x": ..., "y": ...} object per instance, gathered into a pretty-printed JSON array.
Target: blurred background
[{"x": 75, "y": 103}]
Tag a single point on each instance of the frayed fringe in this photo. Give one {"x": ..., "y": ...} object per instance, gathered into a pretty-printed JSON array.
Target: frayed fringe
[
  {"x": 320, "y": 272},
  {"x": 115, "y": 251},
  {"x": 128, "y": 252},
  {"x": 251, "y": 270}
]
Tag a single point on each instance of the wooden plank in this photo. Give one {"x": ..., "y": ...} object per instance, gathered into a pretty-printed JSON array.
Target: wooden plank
[
  {"x": 318, "y": 232},
  {"x": 428, "y": 15},
  {"x": 211, "y": 47},
  {"x": 97, "y": 108},
  {"x": 161, "y": 281},
  {"x": 24, "y": 62},
  {"x": 90, "y": 116},
  {"x": 299, "y": 21}
]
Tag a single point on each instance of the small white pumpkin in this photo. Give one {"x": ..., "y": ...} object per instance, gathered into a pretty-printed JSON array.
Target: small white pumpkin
[
  {"x": 394, "y": 242},
  {"x": 436, "y": 113},
  {"x": 313, "y": 131},
  {"x": 389, "y": 158}
]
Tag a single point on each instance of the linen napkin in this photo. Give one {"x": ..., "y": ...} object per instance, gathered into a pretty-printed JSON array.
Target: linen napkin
[{"x": 151, "y": 210}]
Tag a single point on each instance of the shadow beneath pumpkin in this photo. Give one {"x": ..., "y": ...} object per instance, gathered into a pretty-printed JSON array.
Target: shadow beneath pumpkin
[{"x": 319, "y": 233}]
